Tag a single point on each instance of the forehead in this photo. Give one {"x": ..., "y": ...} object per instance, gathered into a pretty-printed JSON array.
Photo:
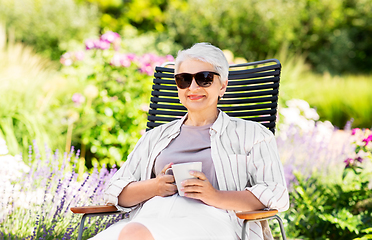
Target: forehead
[{"x": 194, "y": 66}]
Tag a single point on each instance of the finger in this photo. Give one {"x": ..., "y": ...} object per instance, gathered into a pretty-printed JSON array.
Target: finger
[
  {"x": 168, "y": 178},
  {"x": 199, "y": 175},
  {"x": 193, "y": 195},
  {"x": 172, "y": 188},
  {"x": 169, "y": 165},
  {"x": 192, "y": 182},
  {"x": 192, "y": 189}
]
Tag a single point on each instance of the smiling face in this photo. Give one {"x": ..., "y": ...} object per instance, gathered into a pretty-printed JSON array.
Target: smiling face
[{"x": 199, "y": 99}]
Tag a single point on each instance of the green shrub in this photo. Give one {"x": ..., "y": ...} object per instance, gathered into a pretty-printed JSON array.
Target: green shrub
[
  {"x": 146, "y": 15},
  {"x": 49, "y": 26},
  {"x": 327, "y": 211},
  {"x": 335, "y": 34},
  {"x": 340, "y": 208},
  {"x": 108, "y": 107}
]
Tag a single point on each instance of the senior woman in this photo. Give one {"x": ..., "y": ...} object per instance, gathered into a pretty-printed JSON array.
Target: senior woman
[{"x": 241, "y": 168}]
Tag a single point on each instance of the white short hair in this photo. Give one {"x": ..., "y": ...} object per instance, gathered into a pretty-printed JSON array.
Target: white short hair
[{"x": 208, "y": 53}]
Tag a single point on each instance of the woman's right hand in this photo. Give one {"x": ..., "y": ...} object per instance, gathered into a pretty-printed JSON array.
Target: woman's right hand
[{"x": 165, "y": 183}]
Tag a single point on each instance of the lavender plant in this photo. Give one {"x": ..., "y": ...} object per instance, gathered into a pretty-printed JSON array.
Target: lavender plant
[
  {"x": 308, "y": 146},
  {"x": 35, "y": 200}
]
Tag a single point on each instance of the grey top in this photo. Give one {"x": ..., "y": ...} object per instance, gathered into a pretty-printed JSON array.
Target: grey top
[{"x": 193, "y": 144}]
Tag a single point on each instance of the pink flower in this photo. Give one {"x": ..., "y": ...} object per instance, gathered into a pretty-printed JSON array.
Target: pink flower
[
  {"x": 110, "y": 36},
  {"x": 78, "y": 99},
  {"x": 145, "y": 107},
  {"x": 353, "y": 132},
  {"x": 66, "y": 59},
  {"x": 169, "y": 58},
  {"x": 120, "y": 59},
  {"x": 125, "y": 62},
  {"x": 79, "y": 55},
  {"x": 104, "y": 45},
  {"x": 350, "y": 162},
  {"x": 90, "y": 44},
  {"x": 116, "y": 59},
  {"x": 367, "y": 140},
  {"x": 131, "y": 56},
  {"x": 147, "y": 68}
]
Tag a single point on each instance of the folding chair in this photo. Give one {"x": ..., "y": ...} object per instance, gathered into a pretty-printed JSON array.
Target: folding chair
[{"x": 252, "y": 94}]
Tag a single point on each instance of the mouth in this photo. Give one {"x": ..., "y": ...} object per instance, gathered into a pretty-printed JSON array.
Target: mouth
[{"x": 195, "y": 97}]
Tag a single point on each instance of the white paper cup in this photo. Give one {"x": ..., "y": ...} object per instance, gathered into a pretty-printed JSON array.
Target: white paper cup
[{"x": 181, "y": 172}]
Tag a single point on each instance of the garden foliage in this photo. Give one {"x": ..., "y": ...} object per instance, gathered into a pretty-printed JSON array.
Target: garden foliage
[
  {"x": 30, "y": 94},
  {"x": 49, "y": 26},
  {"x": 36, "y": 197},
  {"x": 335, "y": 34},
  {"x": 330, "y": 199},
  {"x": 148, "y": 15},
  {"x": 107, "y": 113}
]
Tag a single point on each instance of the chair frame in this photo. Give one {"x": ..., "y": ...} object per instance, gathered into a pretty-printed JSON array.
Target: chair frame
[{"x": 266, "y": 114}]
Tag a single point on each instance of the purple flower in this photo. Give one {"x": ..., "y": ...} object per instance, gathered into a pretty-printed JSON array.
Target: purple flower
[
  {"x": 110, "y": 36},
  {"x": 349, "y": 162},
  {"x": 359, "y": 159}
]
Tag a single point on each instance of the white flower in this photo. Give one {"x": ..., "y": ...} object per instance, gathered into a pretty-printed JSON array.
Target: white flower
[
  {"x": 3, "y": 147},
  {"x": 300, "y": 117}
]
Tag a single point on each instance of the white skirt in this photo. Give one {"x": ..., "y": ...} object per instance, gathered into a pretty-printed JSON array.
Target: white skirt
[{"x": 178, "y": 218}]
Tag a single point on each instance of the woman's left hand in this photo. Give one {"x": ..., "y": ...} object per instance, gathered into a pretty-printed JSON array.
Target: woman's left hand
[{"x": 200, "y": 188}]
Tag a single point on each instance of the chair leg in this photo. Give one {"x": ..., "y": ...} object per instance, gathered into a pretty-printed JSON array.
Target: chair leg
[
  {"x": 244, "y": 229},
  {"x": 281, "y": 226},
  {"x": 81, "y": 227},
  {"x": 276, "y": 217}
]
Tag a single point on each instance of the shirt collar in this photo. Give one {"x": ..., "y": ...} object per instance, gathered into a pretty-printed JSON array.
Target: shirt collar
[
  {"x": 177, "y": 127},
  {"x": 221, "y": 122}
]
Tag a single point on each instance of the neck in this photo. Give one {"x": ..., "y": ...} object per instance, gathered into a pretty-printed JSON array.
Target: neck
[{"x": 201, "y": 118}]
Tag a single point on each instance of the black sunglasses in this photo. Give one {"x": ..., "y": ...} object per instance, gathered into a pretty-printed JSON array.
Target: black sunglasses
[{"x": 203, "y": 79}]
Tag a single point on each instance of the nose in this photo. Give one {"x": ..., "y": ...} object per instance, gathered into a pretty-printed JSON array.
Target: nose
[{"x": 193, "y": 84}]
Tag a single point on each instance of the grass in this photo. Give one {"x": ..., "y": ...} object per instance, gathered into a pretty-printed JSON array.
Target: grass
[
  {"x": 30, "y": 87},
  {"x": 338, "y": 98}
]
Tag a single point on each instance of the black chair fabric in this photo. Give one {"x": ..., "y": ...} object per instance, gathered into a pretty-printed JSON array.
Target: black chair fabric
[{"x": 252, "y": 94}]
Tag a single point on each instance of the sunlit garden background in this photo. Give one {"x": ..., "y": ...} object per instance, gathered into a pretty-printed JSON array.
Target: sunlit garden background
[{"x": 75, "y": 82}]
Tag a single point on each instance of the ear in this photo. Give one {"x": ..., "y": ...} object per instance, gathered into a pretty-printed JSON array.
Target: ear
[{"x": 223, "y": 87}]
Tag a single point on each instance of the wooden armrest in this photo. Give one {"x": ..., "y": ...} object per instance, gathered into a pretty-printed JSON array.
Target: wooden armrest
[
  {"x": 94, "y": 209},
  {"x": 255, "y": 215}
]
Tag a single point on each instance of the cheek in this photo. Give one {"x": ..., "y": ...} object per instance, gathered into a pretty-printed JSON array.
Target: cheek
[{"x": 181, "y": 95}]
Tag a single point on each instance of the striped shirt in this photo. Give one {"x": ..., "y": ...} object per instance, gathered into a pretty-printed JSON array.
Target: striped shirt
[{"x": 244, "y": 154}]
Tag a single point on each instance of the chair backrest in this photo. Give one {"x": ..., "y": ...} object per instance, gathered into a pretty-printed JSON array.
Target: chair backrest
[{"x": 252, "y": 94}]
